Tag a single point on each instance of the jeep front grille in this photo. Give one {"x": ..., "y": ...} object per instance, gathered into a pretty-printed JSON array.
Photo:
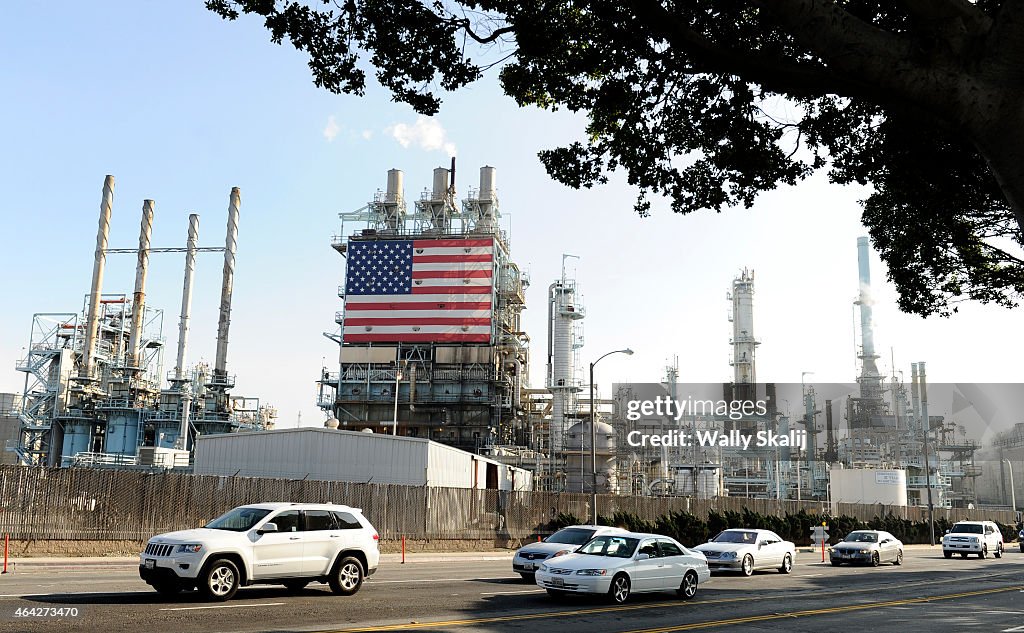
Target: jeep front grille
[{"x": 156, "y": 549}]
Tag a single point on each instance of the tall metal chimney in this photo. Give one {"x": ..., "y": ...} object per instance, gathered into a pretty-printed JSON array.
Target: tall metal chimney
[
  {"x": 93, "y": 318},
  {"x": 224, "y": 322},
  {"x": 186, "y": 294},
  {"x": 139, "y": 298},
  {"x": 870, "y": 380}
]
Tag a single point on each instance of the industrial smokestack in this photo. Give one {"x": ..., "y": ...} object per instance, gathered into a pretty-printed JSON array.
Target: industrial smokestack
[
  {"x": 441, "y": 185},
  {"x": 186, "y": 294},
  {"x": 488, "y": 178},
  {"x": 139, "y": 298},
  {"x": 395, "y": 182},
  {"x": 224, "y": 322},
  {"x": 93, "y": 318},
  {"x": 871, "y": 382},
  {"x": 915, "y": 399}
]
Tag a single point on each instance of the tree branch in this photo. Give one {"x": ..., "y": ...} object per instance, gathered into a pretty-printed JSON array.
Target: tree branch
[{"x": 773, "y": 74}]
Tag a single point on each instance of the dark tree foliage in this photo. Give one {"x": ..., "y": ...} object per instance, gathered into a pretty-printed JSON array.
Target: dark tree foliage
[{"x": 710, "y": 102}]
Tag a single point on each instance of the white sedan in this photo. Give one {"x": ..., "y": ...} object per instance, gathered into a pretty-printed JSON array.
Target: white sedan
[
  {"x": 746, "y": 550},
  {"x": 618, "y": 565}
]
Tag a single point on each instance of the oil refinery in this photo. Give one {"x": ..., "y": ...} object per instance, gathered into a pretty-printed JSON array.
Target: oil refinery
[{"x": 431, "y": 345}]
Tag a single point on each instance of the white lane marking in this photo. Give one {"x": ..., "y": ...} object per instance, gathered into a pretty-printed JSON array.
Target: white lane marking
[
  {"x": 509, "y": 593},
  {"x": 381, "y": 582},
  {"x": 224, "y": 606},
  {"x": 808, "y": 575}
]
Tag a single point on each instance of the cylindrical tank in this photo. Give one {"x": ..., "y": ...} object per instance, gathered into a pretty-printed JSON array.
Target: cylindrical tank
[
  {"x": 488, "y": 179},
  {"x": 440, "y": 184},
  {"x": 707, "y": 484},
  {"x": 395, "y": 184},
  {"x": 563, "y": 314},
  {"x": 577, "y": 458},
  {"x": 332, "y": 423}
]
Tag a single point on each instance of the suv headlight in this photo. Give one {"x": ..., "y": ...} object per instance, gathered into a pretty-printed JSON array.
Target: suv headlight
[
  {"x": 592, "y": 572},
  {"x": 189, "y": 548},
  {"x": 974, "y": 539}
]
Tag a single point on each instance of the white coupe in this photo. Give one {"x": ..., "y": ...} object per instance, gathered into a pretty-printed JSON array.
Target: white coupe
[
  {"x": 746, "y": 550},
  {"x": 618, "y": 565}
]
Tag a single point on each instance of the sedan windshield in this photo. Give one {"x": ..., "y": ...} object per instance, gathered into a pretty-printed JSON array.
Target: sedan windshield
[
  {"x": 238, "y": 520},
  {"x": 862, "y": 537},
  {"x": 571, "y": 536},
  {"x": 614, "y": 546},
  {"x": 735, "y": 536},
  {"x": 967, "y": 528}
]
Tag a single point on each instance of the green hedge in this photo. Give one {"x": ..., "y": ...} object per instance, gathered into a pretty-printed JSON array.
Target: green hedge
[{"x": 691, "y": 530}]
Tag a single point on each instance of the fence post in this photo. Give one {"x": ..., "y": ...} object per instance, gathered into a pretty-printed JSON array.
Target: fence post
[
  {"x": 7, "y": 543},
  {"x": 403, "y": 549}
]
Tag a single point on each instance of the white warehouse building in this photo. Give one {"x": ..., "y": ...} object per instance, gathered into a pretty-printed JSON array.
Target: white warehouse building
[{"x": 333, "y": 455}]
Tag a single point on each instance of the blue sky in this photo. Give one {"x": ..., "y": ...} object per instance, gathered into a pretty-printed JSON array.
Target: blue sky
[{"x": 180, "y": 106}]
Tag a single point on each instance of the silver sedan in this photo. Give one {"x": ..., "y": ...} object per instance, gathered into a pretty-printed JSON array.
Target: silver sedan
[{"x": 868, "y": 547}]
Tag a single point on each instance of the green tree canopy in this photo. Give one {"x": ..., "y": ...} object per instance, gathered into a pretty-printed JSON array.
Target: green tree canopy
[{"x": 710, "y": 102}]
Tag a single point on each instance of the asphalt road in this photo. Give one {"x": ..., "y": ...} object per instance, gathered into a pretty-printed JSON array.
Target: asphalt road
[{"x": 927, "y": 594}]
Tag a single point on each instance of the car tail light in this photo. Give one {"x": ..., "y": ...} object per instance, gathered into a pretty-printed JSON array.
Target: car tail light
[{"x": 376, "y": 536}]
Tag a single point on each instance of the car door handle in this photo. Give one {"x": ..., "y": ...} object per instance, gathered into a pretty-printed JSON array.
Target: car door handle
[
  {"x": 293, "y": 538},
  {"x": 335, "y": 535}
]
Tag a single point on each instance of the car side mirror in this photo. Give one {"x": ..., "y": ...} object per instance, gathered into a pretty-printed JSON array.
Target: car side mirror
[
  {"x": 267, "y": 527},
  {"x": 642, "y": 556},
  {"x": 947, "y": 531}
]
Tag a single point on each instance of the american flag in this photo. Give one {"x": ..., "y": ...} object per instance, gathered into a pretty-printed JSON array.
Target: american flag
[{"x": 419, "y": 291}]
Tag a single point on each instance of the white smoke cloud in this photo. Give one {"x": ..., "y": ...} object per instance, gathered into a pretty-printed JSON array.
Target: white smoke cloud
[
  {"x": 426, "y": 133},
  {"x": 332, "y": 129}
]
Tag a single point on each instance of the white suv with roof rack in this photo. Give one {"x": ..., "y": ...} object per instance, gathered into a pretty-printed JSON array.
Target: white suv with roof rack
[
  {"x": 265, "y": 543},
  {"x": 973, "y": 537}
]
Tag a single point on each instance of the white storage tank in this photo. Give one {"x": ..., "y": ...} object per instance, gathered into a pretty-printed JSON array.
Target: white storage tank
[
  {"x": 708, "y": 483},
  {"x": 577, "y": 458}
]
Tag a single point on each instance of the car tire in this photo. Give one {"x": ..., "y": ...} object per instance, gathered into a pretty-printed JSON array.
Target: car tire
[
  {"x": 747, "y": 566},
  {"x": 984, "y": 552},
  {"x": 347, "y": 576},
  {"x": 618, "y": 592},
  {"x": 295, "y": 586},
  {"x": 167, "y": 588},
  {"x": 999, "y": 551},
  {"x": 530, "y": 578},
  {"x": 220, "y": 581},
  {"x": 688, "y": 588},
  {"x": 963, "y": 554},
  {"x": 899, "y": 558},
  {"x": 947, "y": 554},
  {"x": 556, "y": 593},
  {"x": 836, "y": 563},
  {"x": 875, "y": 559},
  {"x": 1022, "y": 548},
  {"x": 787, "y": 564}
]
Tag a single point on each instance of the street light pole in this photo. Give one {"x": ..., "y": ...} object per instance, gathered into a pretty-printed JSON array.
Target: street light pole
[{"x": 593, "y": 437}]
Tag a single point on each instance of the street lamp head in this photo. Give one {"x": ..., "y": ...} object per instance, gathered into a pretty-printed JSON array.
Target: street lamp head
[{"x": 627, "y": 351}]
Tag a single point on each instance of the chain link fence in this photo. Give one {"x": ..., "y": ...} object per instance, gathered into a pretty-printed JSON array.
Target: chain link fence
[{"x": 97, "y": 504}]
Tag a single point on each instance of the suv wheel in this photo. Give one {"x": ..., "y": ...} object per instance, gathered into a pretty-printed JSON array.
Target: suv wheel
[
  {"x": 947, "y": 554},
  {"x": 999, "y": 550},
  {"x": 347, "y": 577},
  {"x": 984, "y": 552},
  {"x": 220, "y": 582}
]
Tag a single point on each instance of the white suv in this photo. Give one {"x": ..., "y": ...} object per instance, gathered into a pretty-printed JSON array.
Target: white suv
[
  {"x": 973, "y": 537},
  {"x": 277, "y": 543}
]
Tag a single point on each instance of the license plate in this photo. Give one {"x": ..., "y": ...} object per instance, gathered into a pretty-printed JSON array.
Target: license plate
[
  {"x": 150, "y": 563},
  {"x": 558, "y": 582},
  {"x": 528, "y": 566}
]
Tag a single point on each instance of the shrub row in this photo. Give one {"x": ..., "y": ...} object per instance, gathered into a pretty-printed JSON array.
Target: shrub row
[{"x": 691, "y": 530}]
